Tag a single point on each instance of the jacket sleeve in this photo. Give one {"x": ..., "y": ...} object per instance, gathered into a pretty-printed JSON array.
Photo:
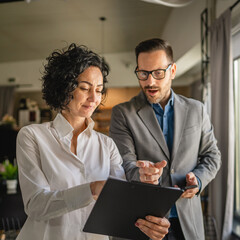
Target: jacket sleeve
[
  {"x": 122, "y": 136},
  {"x": 209, "y": 156}
]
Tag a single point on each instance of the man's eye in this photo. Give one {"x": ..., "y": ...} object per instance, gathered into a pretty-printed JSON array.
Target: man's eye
[
  {"x": 158, "y": 72},
  {"x": 143, "y": 74}
]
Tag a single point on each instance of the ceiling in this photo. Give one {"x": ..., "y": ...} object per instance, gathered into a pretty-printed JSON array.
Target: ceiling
[{"x": 32, "y": 30}]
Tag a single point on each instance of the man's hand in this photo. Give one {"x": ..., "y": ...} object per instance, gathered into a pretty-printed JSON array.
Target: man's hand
[
  {"x": 154, "y": 227},
  {"x": 150, "y": 172},
  {"x": 96, "y": 188},
  {"x": 191, "y": 179}
]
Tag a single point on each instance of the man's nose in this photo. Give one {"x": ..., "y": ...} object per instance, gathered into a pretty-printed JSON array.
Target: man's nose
[{"x": 150, "y": 80}]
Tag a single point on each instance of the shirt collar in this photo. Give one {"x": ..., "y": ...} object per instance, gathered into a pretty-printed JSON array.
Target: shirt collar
[
  {"x": 171, "y": 100},
  {"x": 64, "y": 128}
]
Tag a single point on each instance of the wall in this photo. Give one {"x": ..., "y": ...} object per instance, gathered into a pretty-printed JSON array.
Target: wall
[
  {"x": 25, "y": 72},
  {"x": 182, "y": 30},
  {"x": 122, "y": 67}
]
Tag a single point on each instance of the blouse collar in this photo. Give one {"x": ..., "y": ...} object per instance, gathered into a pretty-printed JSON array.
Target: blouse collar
[{"x": 64, "y": 128}]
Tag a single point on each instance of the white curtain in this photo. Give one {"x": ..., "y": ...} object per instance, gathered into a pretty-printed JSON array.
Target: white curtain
[
  {"x": 221, "y": 190},
  {"x": 6, "y": 100}
]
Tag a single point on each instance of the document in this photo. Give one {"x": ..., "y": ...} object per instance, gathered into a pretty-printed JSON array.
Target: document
[{"x": 121, "y": 203}]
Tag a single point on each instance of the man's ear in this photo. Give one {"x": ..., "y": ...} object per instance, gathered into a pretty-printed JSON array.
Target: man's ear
[{"x": 173, "y": 70}]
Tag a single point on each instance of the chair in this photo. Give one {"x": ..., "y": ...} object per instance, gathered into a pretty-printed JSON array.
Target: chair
[
  {"x": 10, "y": 228},
  {"x": 12, "y": 215}
]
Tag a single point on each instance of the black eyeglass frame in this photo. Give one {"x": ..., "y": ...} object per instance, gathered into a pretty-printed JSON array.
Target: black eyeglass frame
[{"x": 150, "y": 72}]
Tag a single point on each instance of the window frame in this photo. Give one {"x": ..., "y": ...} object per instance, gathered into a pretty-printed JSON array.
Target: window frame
[{"x": 236, "y": 213}]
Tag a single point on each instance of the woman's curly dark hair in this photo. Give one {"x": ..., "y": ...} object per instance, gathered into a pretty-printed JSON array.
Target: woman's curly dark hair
[{"x": 62, "y": 70}]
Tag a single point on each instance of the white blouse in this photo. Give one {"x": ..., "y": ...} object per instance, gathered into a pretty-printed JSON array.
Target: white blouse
[{"x": 55, "y": 183}]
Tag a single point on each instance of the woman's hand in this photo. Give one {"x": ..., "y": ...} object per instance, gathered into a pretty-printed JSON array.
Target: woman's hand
[
  {"x": 154, "y": 227},
  {"x": 96, "y": 188}
]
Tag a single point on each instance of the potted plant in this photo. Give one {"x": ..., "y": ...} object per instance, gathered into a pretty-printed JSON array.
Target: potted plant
[
  {"x": 8, "y": 121},
  {"x": 9, "y": 172}
]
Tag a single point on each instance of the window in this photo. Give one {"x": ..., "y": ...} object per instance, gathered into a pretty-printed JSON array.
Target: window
[{"x": 236, "y": 77}]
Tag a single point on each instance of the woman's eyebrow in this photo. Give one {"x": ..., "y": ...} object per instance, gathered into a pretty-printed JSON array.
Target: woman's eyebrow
[{"x": 99, "y": 85}]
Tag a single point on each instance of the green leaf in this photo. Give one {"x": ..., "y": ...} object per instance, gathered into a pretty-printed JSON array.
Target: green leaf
[{"x": 11, "y": 171}]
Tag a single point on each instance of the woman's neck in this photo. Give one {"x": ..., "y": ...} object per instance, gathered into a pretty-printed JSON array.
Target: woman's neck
[{"x": 78, "y": 123}]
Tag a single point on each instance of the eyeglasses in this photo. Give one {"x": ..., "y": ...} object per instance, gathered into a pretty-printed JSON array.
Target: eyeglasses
[{"x": 157, "y": 74}]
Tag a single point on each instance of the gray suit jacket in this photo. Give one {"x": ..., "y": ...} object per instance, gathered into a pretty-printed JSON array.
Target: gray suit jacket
[{"x": 138, "y": 135}]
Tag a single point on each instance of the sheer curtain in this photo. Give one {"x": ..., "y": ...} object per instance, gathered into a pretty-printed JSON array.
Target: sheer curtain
[
  {"x": 221, "y": 190},
  {"x": 6, "y": 100}
]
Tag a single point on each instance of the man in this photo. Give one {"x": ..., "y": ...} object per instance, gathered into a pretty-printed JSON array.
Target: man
[{"x": 160, "y": 125}]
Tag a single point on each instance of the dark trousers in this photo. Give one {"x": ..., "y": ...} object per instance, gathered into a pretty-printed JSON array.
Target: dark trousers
[{"x": 175, "y": 230}]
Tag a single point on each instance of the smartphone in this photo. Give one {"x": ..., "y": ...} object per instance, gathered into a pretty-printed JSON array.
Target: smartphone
[{"x": 189, "y": 187}]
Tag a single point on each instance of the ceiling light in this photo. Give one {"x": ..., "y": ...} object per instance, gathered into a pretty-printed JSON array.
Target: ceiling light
[
  {"x": 102, "y": 19},
  {"x": 171, "y": 3}
]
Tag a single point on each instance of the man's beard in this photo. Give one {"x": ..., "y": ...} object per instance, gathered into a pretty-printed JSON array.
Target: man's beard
[
  {"x": 161, "y": 96},
  {"x": 149, "y": 97}
]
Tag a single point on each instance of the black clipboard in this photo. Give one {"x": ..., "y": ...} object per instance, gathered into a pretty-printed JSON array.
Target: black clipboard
[{"x": 121, "y": 203}]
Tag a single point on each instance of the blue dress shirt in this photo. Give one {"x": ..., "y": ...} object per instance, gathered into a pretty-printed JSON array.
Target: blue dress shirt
[{"x": 166, "y": 121}]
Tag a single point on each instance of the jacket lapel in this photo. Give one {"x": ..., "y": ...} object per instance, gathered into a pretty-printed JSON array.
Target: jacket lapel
[
  {"x": 180, "y": 116},
  {"x": 147, "y": 115}
]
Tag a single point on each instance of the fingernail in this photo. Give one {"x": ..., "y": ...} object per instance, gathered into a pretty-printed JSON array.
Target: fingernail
[{"x": 136, "y": 224}]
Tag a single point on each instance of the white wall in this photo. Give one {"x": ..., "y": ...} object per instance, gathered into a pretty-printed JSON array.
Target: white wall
[
  {"x": 25, "y": 72},
  {"x": 222, "y": 5},
  {"x": 122, "y": 67},
  {"x": 182, "y": 30}
]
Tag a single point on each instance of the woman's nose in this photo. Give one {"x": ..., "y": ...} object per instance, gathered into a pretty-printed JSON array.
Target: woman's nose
[{"x": 92, "y": 96}]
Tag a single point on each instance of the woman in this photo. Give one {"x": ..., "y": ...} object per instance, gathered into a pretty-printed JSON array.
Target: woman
[{"x": 63, "y": 164}]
